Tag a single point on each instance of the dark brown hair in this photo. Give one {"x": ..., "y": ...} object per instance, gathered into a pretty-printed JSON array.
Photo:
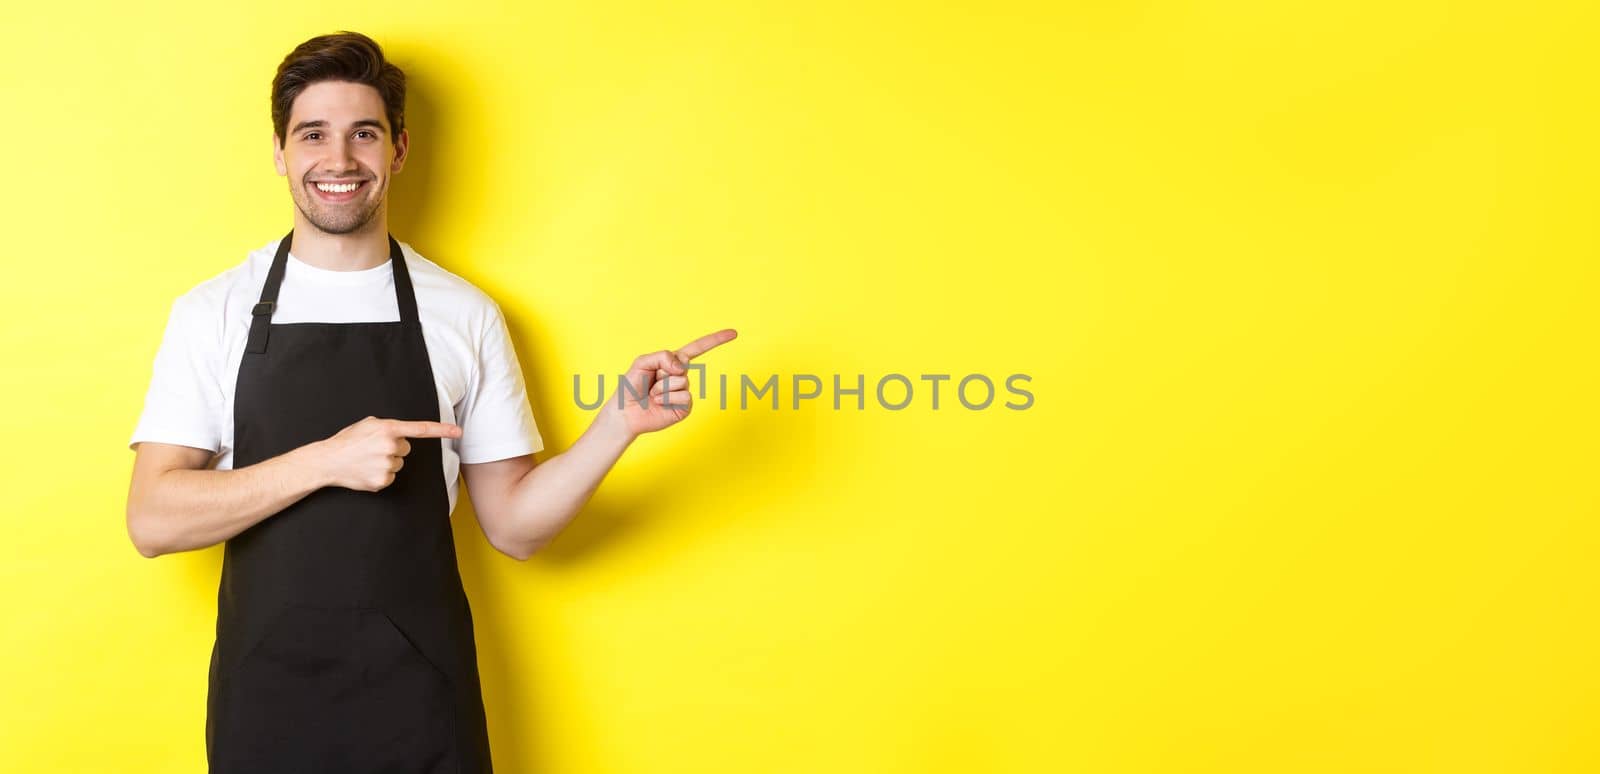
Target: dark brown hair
[{"x": 342, "y": 56}]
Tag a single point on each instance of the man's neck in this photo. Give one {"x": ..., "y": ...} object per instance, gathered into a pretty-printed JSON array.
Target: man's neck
[{"x": 354, "y": 251}]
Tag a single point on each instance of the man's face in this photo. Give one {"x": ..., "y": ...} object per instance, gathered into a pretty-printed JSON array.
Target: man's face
[{"x": 338, "y": 135}]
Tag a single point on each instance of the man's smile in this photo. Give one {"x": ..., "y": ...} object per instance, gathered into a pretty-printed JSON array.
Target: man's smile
[{"x": 338, "y": 191}]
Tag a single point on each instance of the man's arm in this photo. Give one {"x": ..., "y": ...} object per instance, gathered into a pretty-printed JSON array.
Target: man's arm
[
  {"x": 521, "y": 507},
  {"x": 175, "y": 505}
]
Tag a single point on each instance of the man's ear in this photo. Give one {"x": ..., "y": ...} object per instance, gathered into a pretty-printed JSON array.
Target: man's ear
[
  {"x": 402, "y": 145},
  {"x": 277, "y": 157}
]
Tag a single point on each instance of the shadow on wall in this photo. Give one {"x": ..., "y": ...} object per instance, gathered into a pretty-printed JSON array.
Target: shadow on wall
[
  {"x": 507, "y": 655},
  {"x": 430, "y": 132}
]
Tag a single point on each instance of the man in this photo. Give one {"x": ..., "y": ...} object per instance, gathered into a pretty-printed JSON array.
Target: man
[{"x": 312, "y": 407}]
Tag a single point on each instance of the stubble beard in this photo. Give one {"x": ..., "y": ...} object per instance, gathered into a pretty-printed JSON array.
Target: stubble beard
[{"x": 348, "y": 218}]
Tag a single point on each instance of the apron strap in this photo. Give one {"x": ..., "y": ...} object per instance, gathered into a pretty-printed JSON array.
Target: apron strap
[
  {"x": 261, "y": 313},
  {"x": 404, "y": 294}
]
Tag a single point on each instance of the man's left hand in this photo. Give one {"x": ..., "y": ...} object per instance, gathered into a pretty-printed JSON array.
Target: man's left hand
[{"x": 660, "y": 387}]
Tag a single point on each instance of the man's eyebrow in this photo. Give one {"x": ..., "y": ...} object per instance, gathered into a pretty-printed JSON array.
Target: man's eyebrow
[{"x": 319, "y": 123}]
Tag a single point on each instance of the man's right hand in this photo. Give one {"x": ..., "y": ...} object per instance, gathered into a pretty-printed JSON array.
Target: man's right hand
[{"x": 366, "y": 455}]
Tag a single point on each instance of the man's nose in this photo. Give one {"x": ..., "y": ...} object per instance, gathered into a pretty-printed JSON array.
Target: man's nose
[{"x": 340, "y": 156}]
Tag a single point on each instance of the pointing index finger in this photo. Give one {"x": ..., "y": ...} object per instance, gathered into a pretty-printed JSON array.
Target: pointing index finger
[
  {"x": 426, "y": 429},
  {"x": 705, "y": 343}
]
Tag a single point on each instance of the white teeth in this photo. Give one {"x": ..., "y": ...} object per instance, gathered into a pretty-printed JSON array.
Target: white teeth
[{"x": 345, "y": 188}]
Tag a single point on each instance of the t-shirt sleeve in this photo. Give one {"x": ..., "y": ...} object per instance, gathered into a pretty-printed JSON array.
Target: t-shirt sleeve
[
  {"x": 184, "y": 401},
  {"x": 495, "y": 417}
]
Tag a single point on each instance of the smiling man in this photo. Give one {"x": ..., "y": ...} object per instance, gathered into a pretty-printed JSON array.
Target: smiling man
[{"x": 312, "y": 407}]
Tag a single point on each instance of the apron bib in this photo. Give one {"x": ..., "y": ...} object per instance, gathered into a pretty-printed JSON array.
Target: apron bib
[{"x": 344, "y": 638}]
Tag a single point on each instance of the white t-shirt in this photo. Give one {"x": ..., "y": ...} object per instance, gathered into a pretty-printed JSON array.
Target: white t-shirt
[{"x": 475, "y": 368}]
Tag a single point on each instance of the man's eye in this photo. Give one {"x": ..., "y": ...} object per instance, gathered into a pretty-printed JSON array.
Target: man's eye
[
  {"x": 312, "y": 135},
  {"x": 363, "y": 131}
]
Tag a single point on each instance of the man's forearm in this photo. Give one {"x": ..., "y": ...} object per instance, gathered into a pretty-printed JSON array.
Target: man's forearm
[
  {"x": 545, "y": 499},
  {"x": 183, "y": 509}
]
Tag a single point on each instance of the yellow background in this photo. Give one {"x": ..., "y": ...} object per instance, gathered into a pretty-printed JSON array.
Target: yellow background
[{"x": 1307, "y": 295}]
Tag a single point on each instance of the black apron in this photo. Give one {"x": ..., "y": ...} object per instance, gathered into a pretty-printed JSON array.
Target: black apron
[{"x": 344, "y": 639}]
